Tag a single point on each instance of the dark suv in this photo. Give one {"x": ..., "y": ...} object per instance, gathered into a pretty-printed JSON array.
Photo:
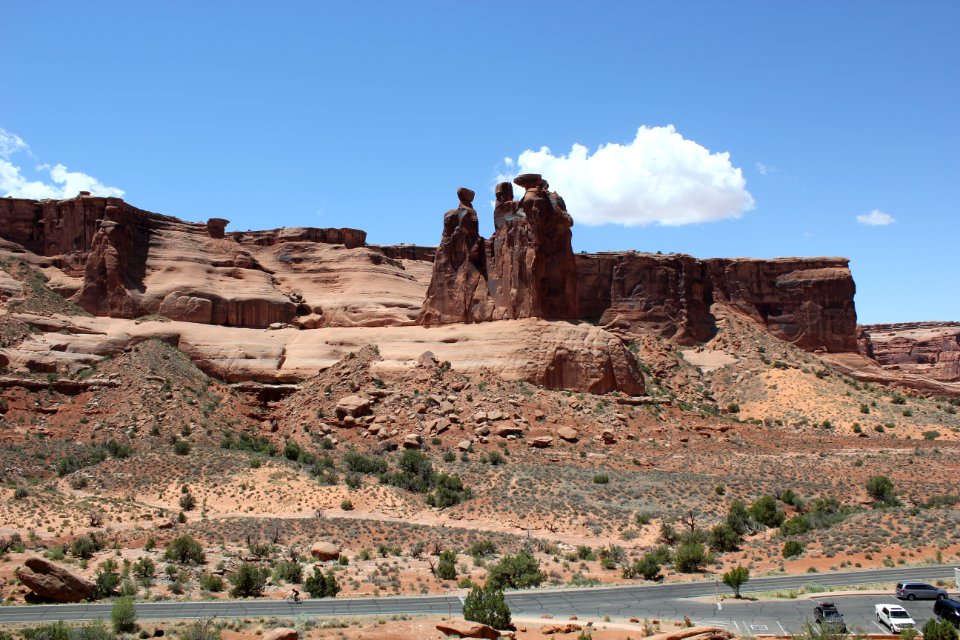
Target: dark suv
[
  {"x": 949, "y": 610},
  {"x": 919, "y": 591},
  {"x": 826, "y": 615}
]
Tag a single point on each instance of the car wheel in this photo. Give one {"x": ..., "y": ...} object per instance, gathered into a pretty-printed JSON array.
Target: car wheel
[
  {"x": 940, "y": 596},
  {"x": 911, "y": 597}
]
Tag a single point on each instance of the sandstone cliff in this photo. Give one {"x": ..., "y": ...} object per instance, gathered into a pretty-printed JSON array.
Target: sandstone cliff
[
  {"x": 119, "y": 261},
  {"x": 806, "y": 301},
  {"x": 929, "y": 349}
]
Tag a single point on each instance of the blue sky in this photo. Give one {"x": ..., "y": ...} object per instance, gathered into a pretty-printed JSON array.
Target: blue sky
[{"x": 371, "y": 114}]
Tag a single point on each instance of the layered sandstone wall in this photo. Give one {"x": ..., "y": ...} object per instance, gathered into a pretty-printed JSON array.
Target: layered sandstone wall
[
  {"x": 806, "y": 301},
  {"x": 119, "y": 261},
  {"x": 929, "y": 349}
]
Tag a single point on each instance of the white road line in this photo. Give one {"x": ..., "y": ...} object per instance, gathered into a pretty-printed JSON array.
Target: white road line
[
  {"x": 782, "y": 629},
  {"x": 460, "y": 598},
  {"x": 882, "y": 628},
  {"x": 737, "y": 626}
]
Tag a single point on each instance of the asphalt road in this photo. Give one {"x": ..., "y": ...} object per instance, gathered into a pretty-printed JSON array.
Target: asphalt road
[{"x": 696, "y": 600}]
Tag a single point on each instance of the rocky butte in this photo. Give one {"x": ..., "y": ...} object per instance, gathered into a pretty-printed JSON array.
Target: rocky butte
[{"x": 277, "y": 305}]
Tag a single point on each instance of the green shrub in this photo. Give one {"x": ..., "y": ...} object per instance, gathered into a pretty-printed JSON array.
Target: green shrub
[
  {"x": 486, "y": 605},
  {"x": 85, "y": 546},
  {"x": 447, "y": 566},
  {"x": 765, "y": 511},
  {"x": 320, "y": 586},
  {"x": 736, "y": 578},
  {"x": 724, "y": 538},
  {"x": 482, "y": 548},
  {"x": 880, "y": 488},
  {"x": 124, "y": 615},
  {"x": 106, "y": 579},
  {"x": 690, "y": 557},
  {"x": 181, "y": 447},
  {"x": 646, "y": 567},
  {"x": 359, "y": 463},
  {"x": 248, "y": 581},
  {"x": 938, "y": 630},
  {"x": 516, "y": 572},
  {"x": 184, "y": 550},
  {"x": 291, "y": 572},
  {"x": 211, "y": 582},
  {"x": 792, "y": 548},
  {"x": 601, "y": 478}
]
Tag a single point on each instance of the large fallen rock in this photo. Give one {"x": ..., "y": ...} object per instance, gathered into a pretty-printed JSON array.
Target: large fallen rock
[
  {"x": 281, "y": 633},
  {"x": 353, "y": 406},
  {"x": 53, "y": 582},
  {"x": 325, "y": 551},
  {"x": 467, "y": 629}
]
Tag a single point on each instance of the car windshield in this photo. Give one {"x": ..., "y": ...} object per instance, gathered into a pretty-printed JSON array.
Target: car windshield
[
  {"x": 831, "y": 613},
  {"x": 898, "y": 613}
]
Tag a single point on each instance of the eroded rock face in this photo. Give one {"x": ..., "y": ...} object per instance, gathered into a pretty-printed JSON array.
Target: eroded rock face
[
  {"x": 929, "y": 349},
  {"x": 527, "y": 270},
  {"x": 458, "y": 289},
  {"x": 119, "y": 261},
  {"x": 806, "y": 301},
  {"x": 53, "y": 582}
]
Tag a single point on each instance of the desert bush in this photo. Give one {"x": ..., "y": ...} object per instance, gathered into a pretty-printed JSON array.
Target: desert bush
[
  {"x": 880, "y": 488},
  {"x": 359, "y": 463},
  {"x": 724, "y": 538},
  {"x": 248, "y": 581},
  {"x": 516, "y": 572},
  {"x": 184, "y": 550},
  {"x": 487, "y": 605},
  {"x": 447, "y": 566},
  {"x": 646, "y": 567},
  {"x": 736, "y": 578},
  {"x": 690, "y": 557},
  {"x": 935, "y": 629},
  {"x": 792, "y": 548},
  {"x": 765, "y": 511},
  {"x": 211, "y": 582},
  {"x": 124, "y": 615},
  {"x": 291, "y": 572},
  {"x": 320, "y": 586}
]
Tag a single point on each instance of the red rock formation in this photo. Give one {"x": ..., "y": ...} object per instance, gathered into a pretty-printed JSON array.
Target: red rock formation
[
  {"x": 929, "y": 349},
  {"x": 807, "y": 301},
  {"x": 121, "y": 261},
  {"x": 526, "y": 271},
  {"x": 53, "y": 582},
  {"x": 458, "y": 288}
]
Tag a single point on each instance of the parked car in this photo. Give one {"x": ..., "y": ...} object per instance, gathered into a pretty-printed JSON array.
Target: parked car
[
  {"x": 919, "y": 591},
  {"x": 949, "y": 610},
  {"x": 894, "y": 617},
  {"x": 827, "y": 615}
]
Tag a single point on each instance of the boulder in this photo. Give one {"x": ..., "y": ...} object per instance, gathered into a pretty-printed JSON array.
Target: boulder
[
  {"x": 353, "y": 406},
  {"x": 53, "y": 582},
  {"x": 464, "y": 445},
  {"x": 505, "y": 430},
  {"x": 540, "y": 442},
  {"x": 560, "y": 628},
  {"x": 325, "y": 551},
  {"x": 281, "y": 633},
  {"x": 568, "y": 433},
  {"x": 609, "y": 437},
  {"x": 412, "y": 441},
  {"x": 467, "y": 629}
]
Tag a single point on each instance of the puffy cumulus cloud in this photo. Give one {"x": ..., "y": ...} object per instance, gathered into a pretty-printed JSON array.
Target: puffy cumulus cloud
[
  {"x": 660, "y": 177},
  {"x": 876, "y": 218},
  {"x": 56, "y": 181}
]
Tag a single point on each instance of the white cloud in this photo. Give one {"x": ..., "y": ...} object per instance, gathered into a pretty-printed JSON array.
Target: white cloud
[
  {"x": 61, "y": 184},
  {"x": 660, "y": 177},
  {"x": 765, "y": 169},
  {"x": 876, "y": 218}
]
